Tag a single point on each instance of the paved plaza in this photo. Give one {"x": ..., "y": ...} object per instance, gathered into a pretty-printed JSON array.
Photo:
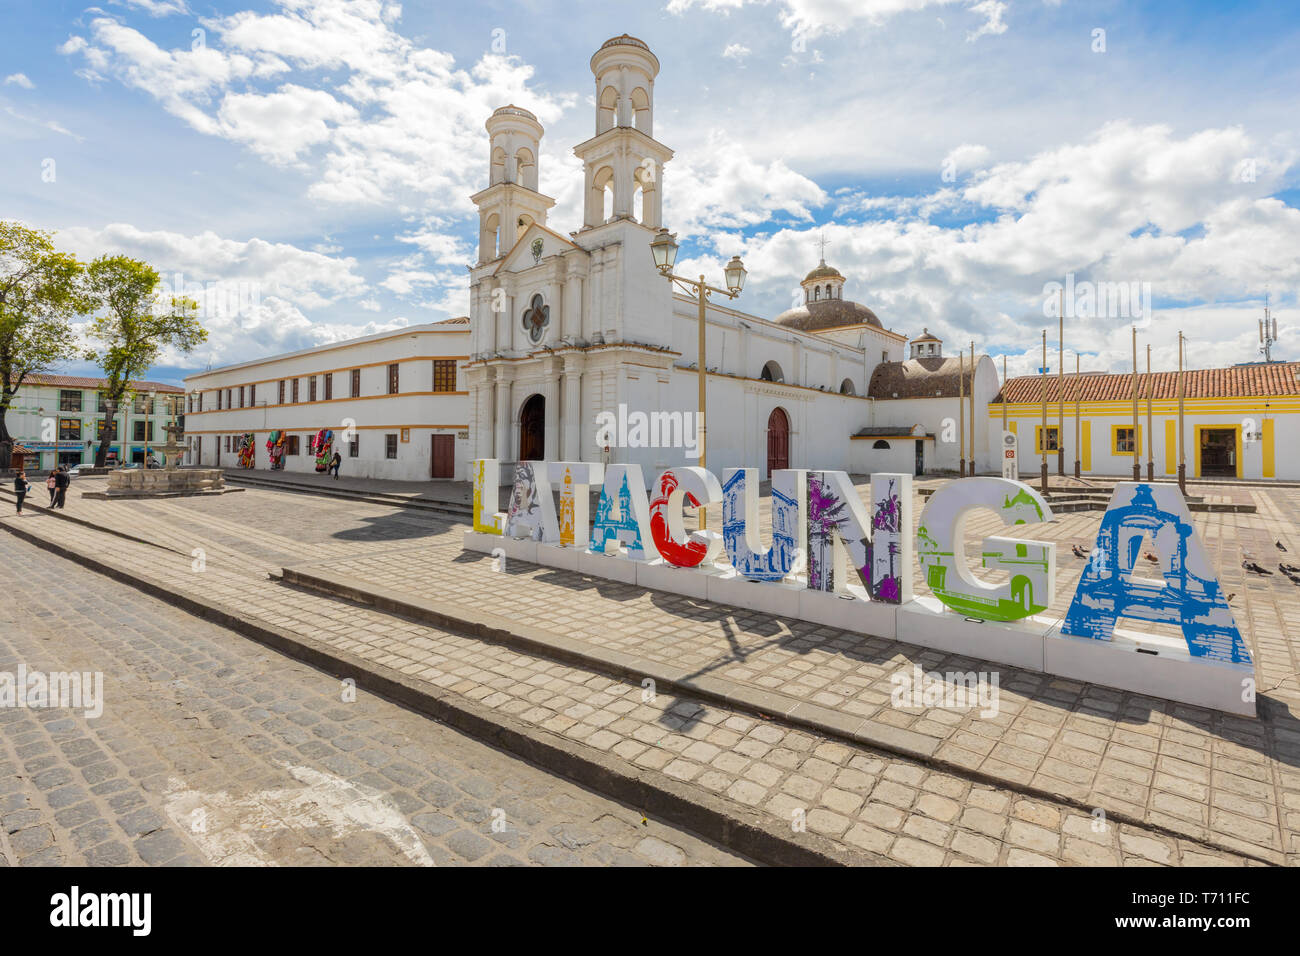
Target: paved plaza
[
  {"x": 1062, "y": 774},
  {"x": 213, "y": 750}
]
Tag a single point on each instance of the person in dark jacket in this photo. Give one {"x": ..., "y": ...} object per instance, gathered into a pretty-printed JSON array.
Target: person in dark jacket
[
  {"x": 21, "y": 487},
  {"x": 61, "y": 482},
  {"x": 334, "y": 464}
]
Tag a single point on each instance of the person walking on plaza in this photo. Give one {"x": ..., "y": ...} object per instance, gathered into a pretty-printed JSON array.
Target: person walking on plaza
[
  {"x": 61, "y": 482},
  {"x": 334, "y": 464},
  {"x": 51, "y": 486},
  {"x": 21, "y": 487}
]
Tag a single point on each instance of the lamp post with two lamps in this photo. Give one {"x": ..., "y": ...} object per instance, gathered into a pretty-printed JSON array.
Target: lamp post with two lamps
[{"x": 664, "y": 250}]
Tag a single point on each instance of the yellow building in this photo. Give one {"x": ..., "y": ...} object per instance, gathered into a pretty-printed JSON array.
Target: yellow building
[{"x": 1238, "y": 422}]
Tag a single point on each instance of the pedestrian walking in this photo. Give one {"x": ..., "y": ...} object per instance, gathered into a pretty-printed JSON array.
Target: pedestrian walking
[
  {"x": 21, "y": 487},
  {"x": 334, "y": 464},
  {"x": 51, "y": 486},
  {"x": 61, "y": 482}
]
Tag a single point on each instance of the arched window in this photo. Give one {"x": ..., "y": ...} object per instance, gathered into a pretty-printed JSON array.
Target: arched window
[
  {"x": 603, "y": 184},
  {"x": 605, "y": 109},
  {"x": 817, "y": 292},
  {"x": 498, "y": 166},
  {"x": 846, "y": 387},
  {"x": 828, "y": 290},
  {"x": 641, "y": 110},
  {"x": 772, "y": 373},
  {"x": 526, "y": 168},
  {"x": 881, "y": 444}
]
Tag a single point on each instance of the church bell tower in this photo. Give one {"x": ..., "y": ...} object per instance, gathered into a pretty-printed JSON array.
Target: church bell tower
[
  {"x": 511, "y": 202},
  {"x": 623, "y": 163}
]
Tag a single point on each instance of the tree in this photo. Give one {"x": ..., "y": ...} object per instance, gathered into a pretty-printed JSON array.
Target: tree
[
  {"x": 40, "y": 291},
  {"x": 133, "y": 328}
]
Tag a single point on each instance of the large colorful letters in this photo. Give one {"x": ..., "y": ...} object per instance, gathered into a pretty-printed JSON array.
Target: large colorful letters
[
  {"x": 1190, "y": 595},
  {"x": 675, "y": 488},
  {"x": 821, "y": 526},
  {"x": 942, "y": 551},
  {"x": 623, "y": 515},
  {"x": 789, "y": 523}
]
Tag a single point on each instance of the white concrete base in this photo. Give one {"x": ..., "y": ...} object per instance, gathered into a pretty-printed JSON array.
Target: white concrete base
[
  {"x": 775, "y": 597},
  {"x": 555, "y": 556},
  {"x": 608, "y": 566},
  {"x": 927, "y": 622},
  {"x": 850, "y": 612},
  {"x": 1170, "y": 672},
  {"x": 662, "y": 576}
]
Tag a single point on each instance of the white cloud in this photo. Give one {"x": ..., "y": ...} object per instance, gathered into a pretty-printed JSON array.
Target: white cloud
[
  {"x": 735, "y": 51},
  {"x": 392, "y": 124},
  {"x": 156, "y": 8},
  {"x": 727, "y": 188},
  {"x": 1130, "y": 204},
  {"x": 813, "y": 18},
  {"x": 19, "y": 79}
]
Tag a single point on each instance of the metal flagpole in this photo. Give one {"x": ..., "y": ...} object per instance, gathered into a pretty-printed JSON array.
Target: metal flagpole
[
  {"x": 1137, "y": 468},
  {"x": 1151, "y": 436},
  {"x": 1060, "y": 398},
  {"x": 1042, "y": 435}
]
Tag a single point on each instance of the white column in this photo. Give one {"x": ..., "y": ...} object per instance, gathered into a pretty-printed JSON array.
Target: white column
[{"x": 505, "y": 451}]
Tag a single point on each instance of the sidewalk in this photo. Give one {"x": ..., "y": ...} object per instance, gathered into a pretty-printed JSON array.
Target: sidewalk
[{"x": 719, "y": 760}]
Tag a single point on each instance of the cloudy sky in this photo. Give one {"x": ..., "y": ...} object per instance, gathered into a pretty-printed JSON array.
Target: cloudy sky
[{"x": 310, "y": 163}]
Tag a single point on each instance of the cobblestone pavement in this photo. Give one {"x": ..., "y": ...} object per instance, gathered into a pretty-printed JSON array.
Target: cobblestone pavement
[
  {"x": 212, "y": 749},
  {"x": 861, "y": 798}
]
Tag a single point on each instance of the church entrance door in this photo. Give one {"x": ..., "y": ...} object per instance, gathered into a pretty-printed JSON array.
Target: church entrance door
[
  {"x": 778, "y": 441},
  {"x": 532, "y": 430}
]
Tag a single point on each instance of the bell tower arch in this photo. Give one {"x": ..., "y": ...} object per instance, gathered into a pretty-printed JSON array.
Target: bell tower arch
[
  {"x": 511, "y": 202},
  {"x": 623, "y": 163}
]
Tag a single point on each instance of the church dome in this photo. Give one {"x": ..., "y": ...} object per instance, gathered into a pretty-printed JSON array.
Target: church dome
[
  {"x": 827, "y": 314},
  {"x": 824, "y": 305},
  {"x": 823, "y": 271}
]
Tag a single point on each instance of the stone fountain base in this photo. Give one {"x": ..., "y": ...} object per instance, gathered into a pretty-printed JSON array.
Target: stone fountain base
[{"x": 163, "y": 483}]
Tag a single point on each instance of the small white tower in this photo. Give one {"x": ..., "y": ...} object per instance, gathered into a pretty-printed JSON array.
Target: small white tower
[
  {"x": 926, "y": 346},
  {"x": 623, "y": 162},
  {"x": 511, "y": 203}
]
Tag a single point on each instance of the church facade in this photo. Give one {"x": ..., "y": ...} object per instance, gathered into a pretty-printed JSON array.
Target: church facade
[{"x": 571, "y": 330}]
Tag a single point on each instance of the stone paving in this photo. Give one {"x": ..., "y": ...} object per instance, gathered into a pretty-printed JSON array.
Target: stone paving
[
  {"x": 213, "y": 750},
  {"x": 868, "y": 800}
]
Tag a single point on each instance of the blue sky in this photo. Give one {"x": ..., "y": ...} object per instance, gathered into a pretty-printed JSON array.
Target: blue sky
[{"x": 310, "y": 163}]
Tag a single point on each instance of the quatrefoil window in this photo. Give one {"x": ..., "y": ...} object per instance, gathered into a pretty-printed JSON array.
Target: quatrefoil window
[{"x": 536, "y": 319}]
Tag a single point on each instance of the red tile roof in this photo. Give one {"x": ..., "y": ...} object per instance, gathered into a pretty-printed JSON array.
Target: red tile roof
[
  {"x": 73, "y": 381},
  {"x": 1238, "y": 381}
]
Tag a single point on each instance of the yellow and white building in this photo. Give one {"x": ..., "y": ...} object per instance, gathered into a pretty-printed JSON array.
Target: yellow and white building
[{"x": 1238, "y": 422}]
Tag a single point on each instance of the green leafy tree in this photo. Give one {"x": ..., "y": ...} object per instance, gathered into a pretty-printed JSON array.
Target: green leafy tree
[
  {"x": 40, "y": 292},
  {"x": 134, "y": 324}
]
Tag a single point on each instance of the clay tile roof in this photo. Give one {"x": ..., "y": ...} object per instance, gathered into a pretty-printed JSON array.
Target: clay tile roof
[
  {"x": 920, "y": 378},
  {"x": 73, "y": 381},
  {"x": 1237, "y": 381}
]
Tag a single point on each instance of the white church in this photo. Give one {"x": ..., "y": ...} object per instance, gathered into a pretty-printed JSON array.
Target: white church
[
  {"x": 565, "y": 329},
  {"x": 569, "y": 331}
]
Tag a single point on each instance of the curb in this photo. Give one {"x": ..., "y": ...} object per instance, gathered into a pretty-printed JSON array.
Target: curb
[
  {"x": 754, "y": 701},
  {"x": 712, "y": 816},
  {"x": 447, "y": 509}
]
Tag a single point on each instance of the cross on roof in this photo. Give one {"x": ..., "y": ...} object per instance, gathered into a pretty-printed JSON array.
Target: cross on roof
[{"x": 822, "y": 244}]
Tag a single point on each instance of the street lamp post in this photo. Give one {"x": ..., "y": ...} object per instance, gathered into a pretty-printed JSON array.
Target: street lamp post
[{"x": 664, "y": 250}]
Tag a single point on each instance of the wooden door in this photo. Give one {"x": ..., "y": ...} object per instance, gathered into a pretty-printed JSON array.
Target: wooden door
[
  {"x": 444, "y": 456},
  {"x": 778, "y": 441}
]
